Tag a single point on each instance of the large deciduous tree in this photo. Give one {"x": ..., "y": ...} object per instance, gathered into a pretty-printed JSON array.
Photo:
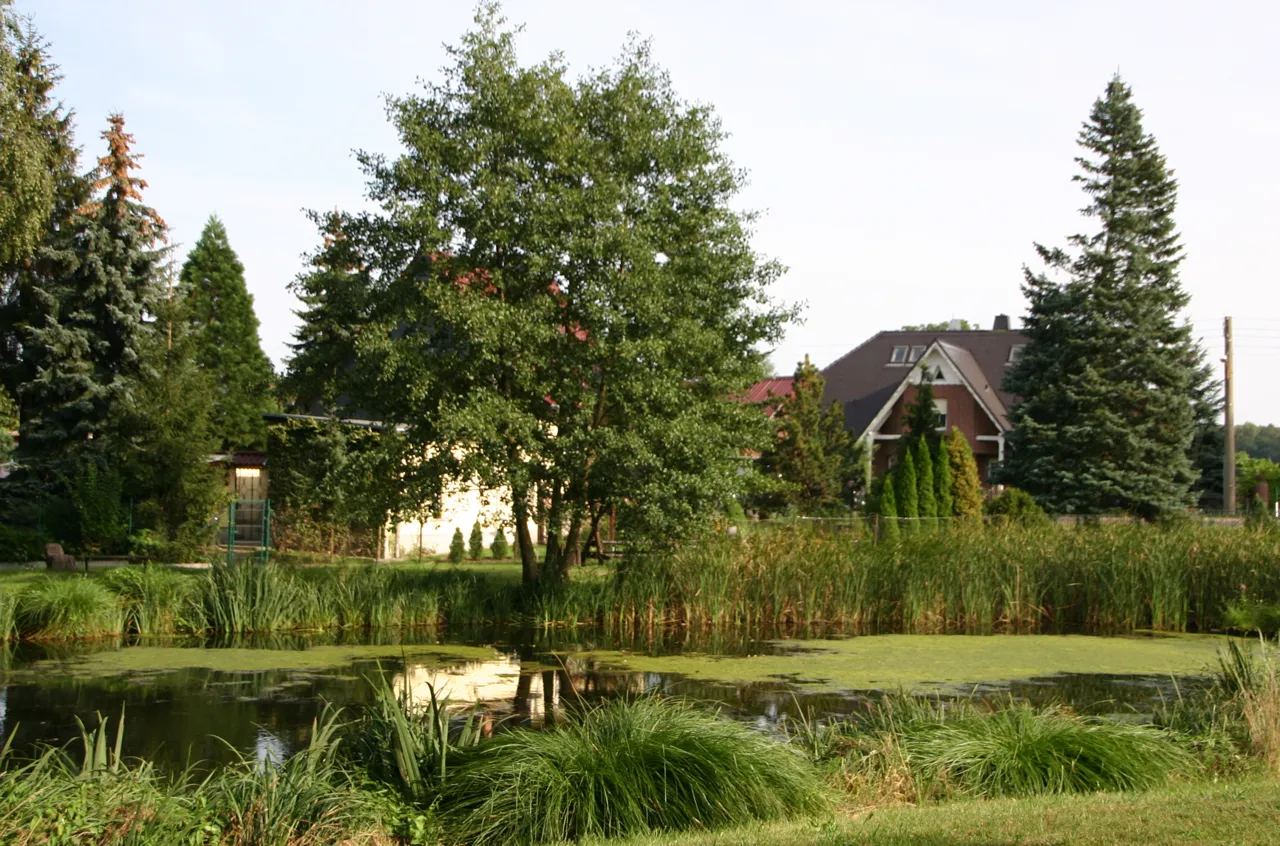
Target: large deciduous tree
[
  {"x": 556, "y": 294},
  {"x": 1109, "y": 379},
  {"x": 27, "y": 181},
  {"x": 225, "y": 342},
  {"x": 820, "y": 467}
]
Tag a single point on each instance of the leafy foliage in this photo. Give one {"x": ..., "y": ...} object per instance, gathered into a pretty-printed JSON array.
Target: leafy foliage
[
  {"x": 27, "y": 180},
  {"x": 225, "y": 342},
  {"x": 1015, "y": 504},
  {"x": 555, "y": 294},
  {"x": 941, "y": 326},
  {"x": 1259, "y": 441},
  {"x": 1110, "y": 379}
]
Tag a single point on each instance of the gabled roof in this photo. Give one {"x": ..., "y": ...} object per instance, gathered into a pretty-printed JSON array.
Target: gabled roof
[{"x": 864, "y": 379}]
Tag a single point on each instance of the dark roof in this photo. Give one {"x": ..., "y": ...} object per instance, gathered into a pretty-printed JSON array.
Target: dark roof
[{"x": 864, "y": 380}]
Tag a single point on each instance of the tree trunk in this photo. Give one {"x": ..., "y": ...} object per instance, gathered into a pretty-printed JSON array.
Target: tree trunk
[{"x": 528, "y": 555}]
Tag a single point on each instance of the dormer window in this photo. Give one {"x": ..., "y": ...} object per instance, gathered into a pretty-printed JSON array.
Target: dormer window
[
  {"x": 1015, "y": 352},
  {"x": 916, "y": 352},
  {"x": 898, "y": 356}
]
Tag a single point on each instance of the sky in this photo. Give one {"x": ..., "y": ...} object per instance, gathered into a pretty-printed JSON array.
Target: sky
[{"x": 904, "y": 156}]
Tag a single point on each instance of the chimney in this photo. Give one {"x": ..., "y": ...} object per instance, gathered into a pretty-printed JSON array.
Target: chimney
[{"x": 1002, "y": 323}]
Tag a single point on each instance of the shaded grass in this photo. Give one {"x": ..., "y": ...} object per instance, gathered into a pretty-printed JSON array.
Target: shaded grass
[{"x": 625, "y": 768}]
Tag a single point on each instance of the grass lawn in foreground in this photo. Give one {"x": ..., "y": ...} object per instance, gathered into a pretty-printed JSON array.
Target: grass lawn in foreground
[{"x": 1245, "y": 813}]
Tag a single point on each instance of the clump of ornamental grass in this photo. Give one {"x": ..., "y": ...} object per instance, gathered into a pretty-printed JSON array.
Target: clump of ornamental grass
[
  {"x": 250, "y": 597},
  {"x": 625, "y": 768},
  {"x": 68, "y": 607},
  {"x": 1252, "y": 680},
  {"x": 156, "y": 599},
  {"x": 935, "y": 749},
  {"x": 8, "y": 615}
]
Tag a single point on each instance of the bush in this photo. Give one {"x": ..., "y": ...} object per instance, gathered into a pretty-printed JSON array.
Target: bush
[
  {"x": 477, "y": 542},
  {"x": 19, "y": 545},
  {"x": 1254, "y": 616},
  {"x": 68, "y": 607},
  {"x": 1017, "y": 505},
  {"x": 499, "y": 549},
  {"x": 625, "y": 768},
  {"x": 156, "y": 600},
  {"x": 457, "y": 547}
]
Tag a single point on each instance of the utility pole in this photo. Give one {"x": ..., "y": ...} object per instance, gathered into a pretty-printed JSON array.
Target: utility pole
[{"x": 1229, "y": 460}]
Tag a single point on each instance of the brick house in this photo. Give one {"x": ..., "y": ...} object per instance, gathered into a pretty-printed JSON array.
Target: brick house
[{"x": 877, "y": 380}]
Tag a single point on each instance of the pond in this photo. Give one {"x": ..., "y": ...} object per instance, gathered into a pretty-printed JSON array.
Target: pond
[{"x": 207, "y": 701}]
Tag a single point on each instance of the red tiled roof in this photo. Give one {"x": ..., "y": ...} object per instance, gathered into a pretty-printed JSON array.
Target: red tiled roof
[{"x": 769, "y": 388}]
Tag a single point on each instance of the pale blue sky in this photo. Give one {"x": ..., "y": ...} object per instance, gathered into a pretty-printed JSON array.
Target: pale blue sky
[{"x": 905, "y": 154}]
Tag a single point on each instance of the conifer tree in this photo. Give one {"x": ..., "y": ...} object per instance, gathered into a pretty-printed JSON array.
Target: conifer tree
[
  {"x": 457, "y": 547},
  {"x": 925, "y": 498},
  {"x": 477, "y": 541},
  {"x": 966, "y": 487},
  {"x": 499, "y": 548},
  {"x": 84, "y": 345},
  {"x": 8, "y": 424},
  {"x": 889, "y": 528},
  {"x": 907, "y": 490},
  {"x": 921, "y": 416},
  {"x": 814, "y": 456},
  {"x": 226, "y": 340},
  {"x": 27, "y": 278},
  {"x": 167, "y": 433},
  {"x": 1108, "y": 379},
  {"x": 943, "y": 486}
]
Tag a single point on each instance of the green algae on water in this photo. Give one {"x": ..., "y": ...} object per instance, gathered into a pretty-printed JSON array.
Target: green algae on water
[
  {"x": 158, "y": 659},
  {"x": 932, "y": 662}
]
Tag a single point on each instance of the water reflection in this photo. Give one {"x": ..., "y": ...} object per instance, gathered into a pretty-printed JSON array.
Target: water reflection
[{"x": 173, "y": 715}]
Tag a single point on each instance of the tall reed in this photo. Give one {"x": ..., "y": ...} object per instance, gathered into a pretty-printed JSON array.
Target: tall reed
[
  {"x": 973, "y": 579},
  {"x": 156, "y": 600},
  {"x": 8, "y": 615},
  {"x": 248, "y": 597}
]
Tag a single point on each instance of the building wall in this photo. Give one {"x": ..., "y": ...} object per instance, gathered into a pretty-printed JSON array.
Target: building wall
[
  {"x": 963, "y": 411},
  {"x": 462, "y": 507}
]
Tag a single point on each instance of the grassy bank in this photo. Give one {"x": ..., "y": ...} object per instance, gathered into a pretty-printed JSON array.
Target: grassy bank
[{"x": 1006, "y": 578}]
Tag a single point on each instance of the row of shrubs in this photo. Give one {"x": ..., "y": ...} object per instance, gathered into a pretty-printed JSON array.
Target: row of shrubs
[
  {"x": 419, "y": 773},
  {"x": 474, "y": 547}
]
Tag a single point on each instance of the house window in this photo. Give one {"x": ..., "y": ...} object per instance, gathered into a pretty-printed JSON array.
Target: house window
[
  {"x": 1015, "y": 352},
  {"x": 916, "y": 352},
  {"x": 899, "y": 356},
  {"x": 940, "y": 415}
]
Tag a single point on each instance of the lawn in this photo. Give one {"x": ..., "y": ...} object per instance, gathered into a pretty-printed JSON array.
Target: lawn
[{"x": 1239, "y": 813}]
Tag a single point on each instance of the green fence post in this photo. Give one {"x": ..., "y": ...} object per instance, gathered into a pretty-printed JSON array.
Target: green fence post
[
  {"x": 231, "y": 532},
  {"x": 266, "y": 530}
]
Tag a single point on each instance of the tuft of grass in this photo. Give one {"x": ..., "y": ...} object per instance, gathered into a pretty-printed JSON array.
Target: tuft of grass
[
  {"x": 156, "y": 600},
  {"x": 68, "y": 607},
  {"x": 919, "y": 749},
  {"x": 625, "y": 768},
  {"x": 8, "y": 615},
  {"x": 1254, "y": 616}
]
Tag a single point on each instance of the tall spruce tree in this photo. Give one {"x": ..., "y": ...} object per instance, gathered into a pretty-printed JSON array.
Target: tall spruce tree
[
  {"x": 85, "y": 341},
  {"x": 225, "y": 341},
  {"x": 921, "y": 415},
  {"x": 1107, "y": 381},
  {"x": 814, "y": 456}
]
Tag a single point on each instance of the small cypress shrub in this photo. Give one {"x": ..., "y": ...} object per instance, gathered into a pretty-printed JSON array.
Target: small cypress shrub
[
  {"x": 926, "y": 501},
  {"x": 907, "y": 489},
  {"x": 457, "y": 547},
  {"x": 477, "y": 541},
  {"x": 1017, "y": 505},
  {"x": 889, "y": 529},
  {"x": 942, "y": 480},
  {"x": 966, "y": 487},
  {"x": 499, "y": 547}
]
